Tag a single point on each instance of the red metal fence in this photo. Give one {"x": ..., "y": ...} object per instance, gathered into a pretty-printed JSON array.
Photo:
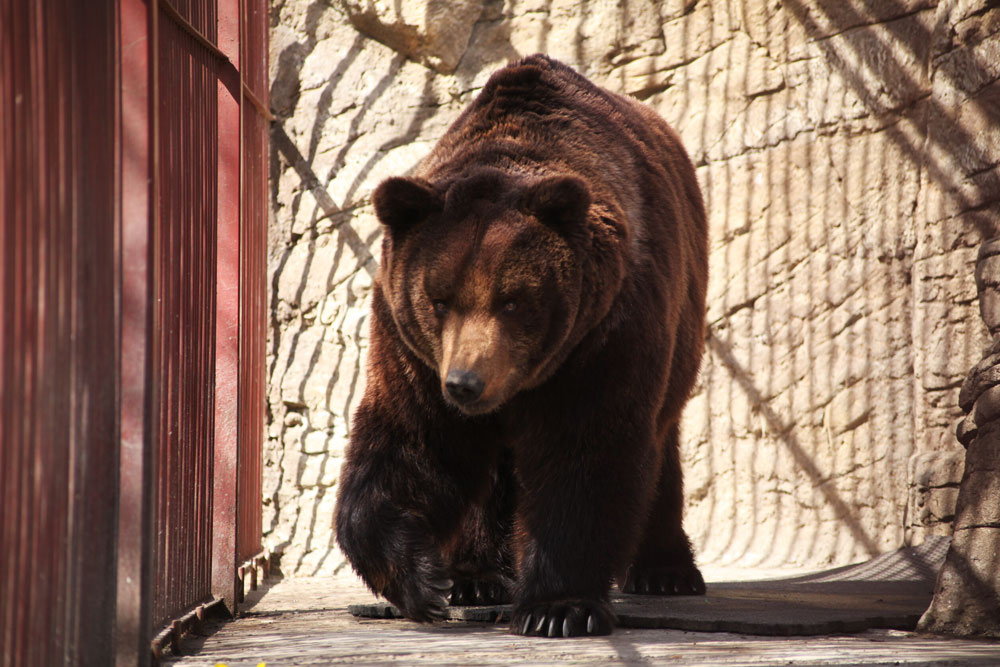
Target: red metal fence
[
  {"x": 57, "y": 332},
  {"x": 133, "y": 166},
  {"x": 185, "y": 304}
]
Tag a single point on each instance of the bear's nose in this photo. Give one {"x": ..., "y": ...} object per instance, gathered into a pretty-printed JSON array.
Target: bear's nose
[{"x": 463, "y": 386}]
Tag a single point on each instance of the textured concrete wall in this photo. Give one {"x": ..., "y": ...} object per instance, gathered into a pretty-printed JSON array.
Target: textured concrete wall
[{"x": 848, "y": 152}]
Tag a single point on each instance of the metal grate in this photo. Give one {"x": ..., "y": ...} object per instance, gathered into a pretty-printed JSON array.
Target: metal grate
[{"x": 186, "y": 215}]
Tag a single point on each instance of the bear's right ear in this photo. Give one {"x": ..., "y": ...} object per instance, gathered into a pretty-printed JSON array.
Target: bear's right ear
[{"x": 401, "y": 203}]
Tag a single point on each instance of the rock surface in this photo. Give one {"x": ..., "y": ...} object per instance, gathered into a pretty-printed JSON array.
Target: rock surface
[
  {"x": 848, "y": 153},
  {"x": 967, "y": 596},
  {"x": 433, "y": 32}
]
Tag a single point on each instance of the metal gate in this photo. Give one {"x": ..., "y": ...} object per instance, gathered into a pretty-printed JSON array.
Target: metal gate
[{"x": 133, "y": 167}]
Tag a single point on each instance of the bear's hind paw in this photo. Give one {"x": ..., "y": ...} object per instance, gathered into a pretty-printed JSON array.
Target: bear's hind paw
[
  {"x": 478, "y": 592},
  {"x": 676, "y": 580},
  {"x": 564, "y": 618}
]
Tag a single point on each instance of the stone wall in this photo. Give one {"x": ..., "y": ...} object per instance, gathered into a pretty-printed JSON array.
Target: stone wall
[{"x": 848, "y": 153}]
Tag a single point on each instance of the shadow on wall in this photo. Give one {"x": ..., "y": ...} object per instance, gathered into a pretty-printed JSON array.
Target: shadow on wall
[
  {"x": 842, "y": 326},
  {"x": 323, "y": 263},
  {"x": 845, "y": 161}
]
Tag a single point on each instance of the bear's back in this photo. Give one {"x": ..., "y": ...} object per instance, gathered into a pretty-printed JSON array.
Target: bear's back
[{"x": 538, "y": 116}]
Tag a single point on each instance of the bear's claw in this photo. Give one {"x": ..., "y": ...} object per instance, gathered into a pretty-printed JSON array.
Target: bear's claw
[
  {"x": 478, "y": 592},
  {"x": 675, "y": 580},
  {"x": 568, "y": 618}
]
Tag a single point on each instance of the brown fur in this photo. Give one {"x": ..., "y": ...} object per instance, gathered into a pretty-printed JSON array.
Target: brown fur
[{"x": 537, "y": 328}]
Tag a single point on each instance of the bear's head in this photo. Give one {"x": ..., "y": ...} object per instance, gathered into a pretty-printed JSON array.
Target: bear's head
[{"x": 484, "y": 275}]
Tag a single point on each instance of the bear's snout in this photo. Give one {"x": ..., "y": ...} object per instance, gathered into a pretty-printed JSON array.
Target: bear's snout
[{"x": 463, "y": 386}]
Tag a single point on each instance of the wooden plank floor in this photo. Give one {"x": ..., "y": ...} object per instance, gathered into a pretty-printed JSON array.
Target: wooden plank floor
[{"x": 304, "y": 621}]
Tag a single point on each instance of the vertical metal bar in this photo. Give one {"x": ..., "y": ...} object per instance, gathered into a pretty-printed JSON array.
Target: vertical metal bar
[
  {"x": 12, "y": 455},
  {"x": 139, "y": 329},
  {"x": 9, "y": 455},
  {"x": 227, "y": 309},
  {"x": 33, "y": 307},
  {"x": 16, "y": 252},
  {"x": 253, "y": 222},
  {"x": 91, "y": 310}
]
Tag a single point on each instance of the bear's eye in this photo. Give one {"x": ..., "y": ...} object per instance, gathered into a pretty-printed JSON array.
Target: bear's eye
[
  {"x": 440, "y": 307},
  {"x": 510, "y": 306}
]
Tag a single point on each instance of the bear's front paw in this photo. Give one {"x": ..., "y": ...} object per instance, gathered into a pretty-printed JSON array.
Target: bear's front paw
[
  {"x": 418, "y": 584},
  {"x": 422, "y": 593},
  {"x": 564, "y": 618},
  {"x": 479, "y": 592},
  {"x": 672, "y": 580}
]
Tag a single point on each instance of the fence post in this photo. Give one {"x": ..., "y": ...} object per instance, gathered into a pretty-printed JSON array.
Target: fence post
[
  {"x": 224, "y": 582},
  {"x": 137, "y": 146}
]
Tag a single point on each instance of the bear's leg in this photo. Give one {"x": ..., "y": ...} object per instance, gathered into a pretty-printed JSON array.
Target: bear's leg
[
  {"x": 578, "y": 519},
  {"x": 397, "y": 505},
  {"x": 664, "y": 563},
  {"x": 480, "y": 560},
  {"x": 481, "y": 566}
]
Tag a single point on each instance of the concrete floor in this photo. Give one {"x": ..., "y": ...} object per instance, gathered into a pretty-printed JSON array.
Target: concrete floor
[{"x": 304, "y": 621}]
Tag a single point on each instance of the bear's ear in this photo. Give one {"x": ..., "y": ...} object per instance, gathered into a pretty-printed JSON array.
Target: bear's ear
[
  {"x": 558, "y": 200},
  {"x": 401, "y": 202}
]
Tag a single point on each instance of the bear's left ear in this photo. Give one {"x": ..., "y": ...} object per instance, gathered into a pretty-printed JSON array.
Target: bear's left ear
[
  {"x": 401, "y": 203},
  {"x": 558, "y": 200}
]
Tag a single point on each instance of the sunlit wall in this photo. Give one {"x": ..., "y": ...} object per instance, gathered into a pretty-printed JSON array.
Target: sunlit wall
[{"x": 848, "y": 153}]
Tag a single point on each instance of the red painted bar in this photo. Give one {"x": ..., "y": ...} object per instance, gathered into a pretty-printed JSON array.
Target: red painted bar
[
  {"x": 139, "y": 338},
  {"x": 91, "y": 307},
  {"x": 253, "y": 277},
  {"x": 227, "y": 308}
]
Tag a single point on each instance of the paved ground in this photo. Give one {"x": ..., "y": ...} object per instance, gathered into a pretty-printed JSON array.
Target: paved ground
[
  {"x": 889, "y": 592},
  {"x": 305, "y": 622}
]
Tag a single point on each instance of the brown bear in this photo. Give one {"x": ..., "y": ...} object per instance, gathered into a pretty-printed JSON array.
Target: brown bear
[{"x": 537, "y": 326}]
